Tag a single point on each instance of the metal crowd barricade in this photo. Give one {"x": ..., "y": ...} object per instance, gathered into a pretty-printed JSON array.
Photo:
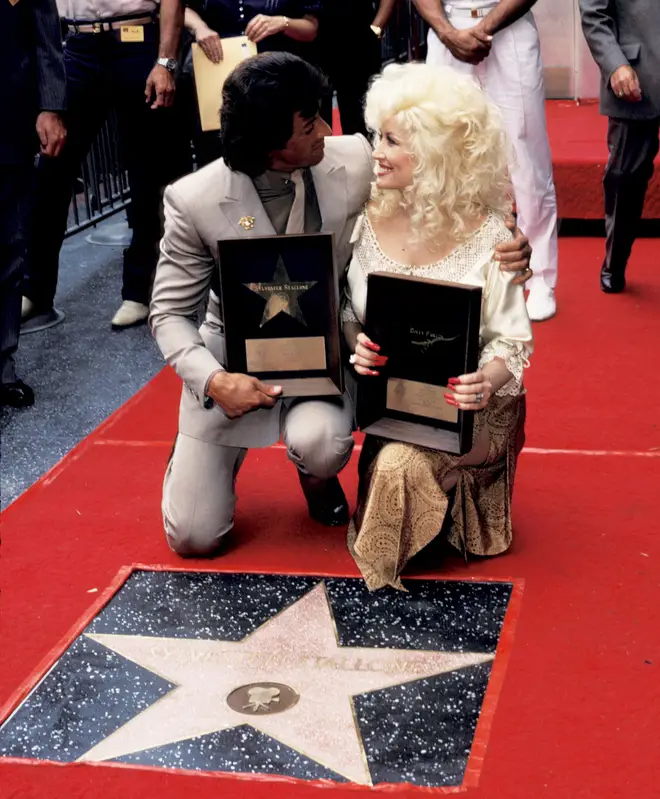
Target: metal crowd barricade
[
  {"x": 102, "y": 188},
  {"x": 405, "y": 35}
]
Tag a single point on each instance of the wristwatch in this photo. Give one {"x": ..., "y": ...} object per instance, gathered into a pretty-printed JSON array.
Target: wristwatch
[
  {"x": 377, "y": 30},
  {"x": 170, "y": 64}
]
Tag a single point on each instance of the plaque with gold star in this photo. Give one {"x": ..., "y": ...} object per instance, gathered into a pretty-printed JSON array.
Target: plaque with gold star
[
  {"x": 280, "y": 310},
  {"x": 304, "y": 677}
]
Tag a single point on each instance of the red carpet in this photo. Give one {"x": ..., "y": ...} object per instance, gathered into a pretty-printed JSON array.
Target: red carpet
[
  {"x": 577, "y": 715},
  {"x": 578, "y": 139}
]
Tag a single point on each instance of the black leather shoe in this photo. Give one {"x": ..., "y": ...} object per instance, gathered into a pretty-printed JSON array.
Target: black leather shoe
[
  {"x": 16, "y": 395},
  {"x": 326, "y": 500},
  {"x": 611, "y": 283}
]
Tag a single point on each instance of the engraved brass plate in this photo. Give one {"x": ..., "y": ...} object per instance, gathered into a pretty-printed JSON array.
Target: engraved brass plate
[
  {"x": 262, "y": 699},
  {"x": 420, "y": 399},
  {"x": 285, "y": 354}
]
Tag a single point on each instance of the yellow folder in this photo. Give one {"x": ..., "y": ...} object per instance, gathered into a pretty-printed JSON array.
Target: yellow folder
[{"x": 210, "y": 77}]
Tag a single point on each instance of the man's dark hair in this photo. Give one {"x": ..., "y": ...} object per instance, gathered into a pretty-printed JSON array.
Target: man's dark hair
[{"x": 259, "y": 100}]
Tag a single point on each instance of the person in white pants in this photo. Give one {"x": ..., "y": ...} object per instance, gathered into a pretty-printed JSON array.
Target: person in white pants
[{"x": 498, "y": 44}]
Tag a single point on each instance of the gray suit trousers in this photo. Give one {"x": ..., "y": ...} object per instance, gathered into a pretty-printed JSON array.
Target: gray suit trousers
[
  {"x": 633, "y": 146},
  {"x": 199, "y": 490}
]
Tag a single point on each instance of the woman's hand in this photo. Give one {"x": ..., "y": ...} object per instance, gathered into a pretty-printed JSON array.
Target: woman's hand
[
  {"x": 366, "y": 357},
  {"x": 210, "y": 43},
  {"x": 263, "y": 26},
  {"x": 470, "y": 392}
]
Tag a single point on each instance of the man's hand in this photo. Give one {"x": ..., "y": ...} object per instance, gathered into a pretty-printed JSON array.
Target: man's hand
[
  {"x": 51, "y": 132},
  {"x": 210, "y": 43},
  {"x": 263, "y": 26},
  {"x": 514, "y": 255},
  {"x": 237, "y": 394},
  {"x": 625, "y": 84},
  {"x": 161, "y": 84},
  {"x": 470, "y": 46}
]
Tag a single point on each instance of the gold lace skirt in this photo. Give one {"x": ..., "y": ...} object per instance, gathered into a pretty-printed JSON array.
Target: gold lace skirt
[{"x": 402, "y": 506}]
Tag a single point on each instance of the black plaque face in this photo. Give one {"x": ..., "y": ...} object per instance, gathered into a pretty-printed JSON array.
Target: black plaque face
[
  {"x": 430, "y": 332},
  {"x": 280, "y": 310}
]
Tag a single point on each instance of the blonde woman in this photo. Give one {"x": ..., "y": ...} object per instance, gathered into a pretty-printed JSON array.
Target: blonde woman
[{"x": 437, "y": 211}]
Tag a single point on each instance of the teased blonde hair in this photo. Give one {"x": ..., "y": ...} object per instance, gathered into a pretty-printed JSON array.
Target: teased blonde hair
[{"x": 457, "y": 143}]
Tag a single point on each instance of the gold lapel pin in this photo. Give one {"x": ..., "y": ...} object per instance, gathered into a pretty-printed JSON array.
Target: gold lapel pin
[{"x": 246, "y": 222}]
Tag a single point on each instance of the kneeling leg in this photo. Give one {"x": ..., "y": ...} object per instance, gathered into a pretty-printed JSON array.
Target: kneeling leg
[{"x": 198, "y": 495}]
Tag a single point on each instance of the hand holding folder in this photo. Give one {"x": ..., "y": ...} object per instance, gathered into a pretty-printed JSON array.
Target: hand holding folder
[{"x": 210, "y": 77}]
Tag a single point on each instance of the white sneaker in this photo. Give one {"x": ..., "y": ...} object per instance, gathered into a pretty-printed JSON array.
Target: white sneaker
[
  {"x": 130, "y": 314},
  {"x": 27, "y": 308},
  {"x": 541, "y": 303}
]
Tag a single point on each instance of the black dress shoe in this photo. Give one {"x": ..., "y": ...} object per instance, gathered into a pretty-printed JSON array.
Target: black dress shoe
[
  {"x": 16, "y": 395},
  {"x": 326, "y": 500},
  {"x": 611, "y": 283}
]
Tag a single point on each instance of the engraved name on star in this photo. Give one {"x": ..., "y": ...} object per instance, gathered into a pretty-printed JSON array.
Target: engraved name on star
[
  {"x": 297, "y": 648},
  {"x": 281, "y": 294}
]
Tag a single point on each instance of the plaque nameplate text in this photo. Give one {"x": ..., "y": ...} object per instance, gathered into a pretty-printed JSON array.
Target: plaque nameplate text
[
  {"x": 419, "y": 399},
  {"x": 285, "y": 354}
]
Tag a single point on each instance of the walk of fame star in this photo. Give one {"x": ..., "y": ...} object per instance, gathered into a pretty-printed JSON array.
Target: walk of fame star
[
  {"x": 296, "y": 651},
  {"x": 281, "y": 294}
]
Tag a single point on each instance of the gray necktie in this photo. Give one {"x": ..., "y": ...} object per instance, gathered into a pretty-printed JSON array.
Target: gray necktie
[{"x": 296, "y": 223}]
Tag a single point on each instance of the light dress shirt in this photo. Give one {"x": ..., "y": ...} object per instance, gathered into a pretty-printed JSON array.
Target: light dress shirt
[{"x": 97, "y": 10}]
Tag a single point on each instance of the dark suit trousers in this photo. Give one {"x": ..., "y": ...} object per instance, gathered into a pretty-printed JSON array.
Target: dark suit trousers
[
  {"x": 103, "y": 73},
  {"x": 633, "y": 146},
  {"x": 15, "y": 186}
]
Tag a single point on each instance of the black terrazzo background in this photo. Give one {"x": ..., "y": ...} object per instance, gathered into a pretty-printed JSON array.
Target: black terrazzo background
[{"x": 420, "y": 732}]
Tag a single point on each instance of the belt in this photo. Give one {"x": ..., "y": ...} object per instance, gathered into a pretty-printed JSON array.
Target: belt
[
  {"x": 107, "y": 25},
  {"x": 475, "y": 13}
]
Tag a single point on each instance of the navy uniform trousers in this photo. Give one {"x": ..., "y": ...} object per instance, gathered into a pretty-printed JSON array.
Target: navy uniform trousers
[
  {"x": 15, "y": 185},
  {"x": 103, "y": 74}
]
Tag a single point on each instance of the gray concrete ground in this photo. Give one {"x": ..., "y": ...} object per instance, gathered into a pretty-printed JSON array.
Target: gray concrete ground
[{"x": 81, "y": 371}]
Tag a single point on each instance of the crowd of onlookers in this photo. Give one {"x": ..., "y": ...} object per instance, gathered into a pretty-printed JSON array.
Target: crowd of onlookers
[{"x": 134, "y": 57}]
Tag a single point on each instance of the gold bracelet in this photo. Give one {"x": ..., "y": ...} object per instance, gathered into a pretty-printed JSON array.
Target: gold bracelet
[{"x": 286, "y": 22}]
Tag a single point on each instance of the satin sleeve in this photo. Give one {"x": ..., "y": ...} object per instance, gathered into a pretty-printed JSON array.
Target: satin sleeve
[
  {"x": 506, "y": 331},
  {"x": 355, "y": 280}
]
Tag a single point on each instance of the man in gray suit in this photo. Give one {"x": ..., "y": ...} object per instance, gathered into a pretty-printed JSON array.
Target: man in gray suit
[
  {"x": 32, "y": 95},
  {"x": 279, "y": 174},
  {"x": 623, "y": 37}
]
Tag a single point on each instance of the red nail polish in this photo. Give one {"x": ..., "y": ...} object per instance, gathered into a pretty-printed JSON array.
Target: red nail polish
[
  {"x": 453, "y": 381},
  {"x": 449, "y": 397},
  {"x": 451, "y": 402}
]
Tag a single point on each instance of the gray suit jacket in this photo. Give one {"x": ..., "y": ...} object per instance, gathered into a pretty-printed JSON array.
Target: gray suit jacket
[
  {"x": 32, "y": 70},
  {"x": 201, "y": 209},
  {"x": 621, "y": 32}
]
